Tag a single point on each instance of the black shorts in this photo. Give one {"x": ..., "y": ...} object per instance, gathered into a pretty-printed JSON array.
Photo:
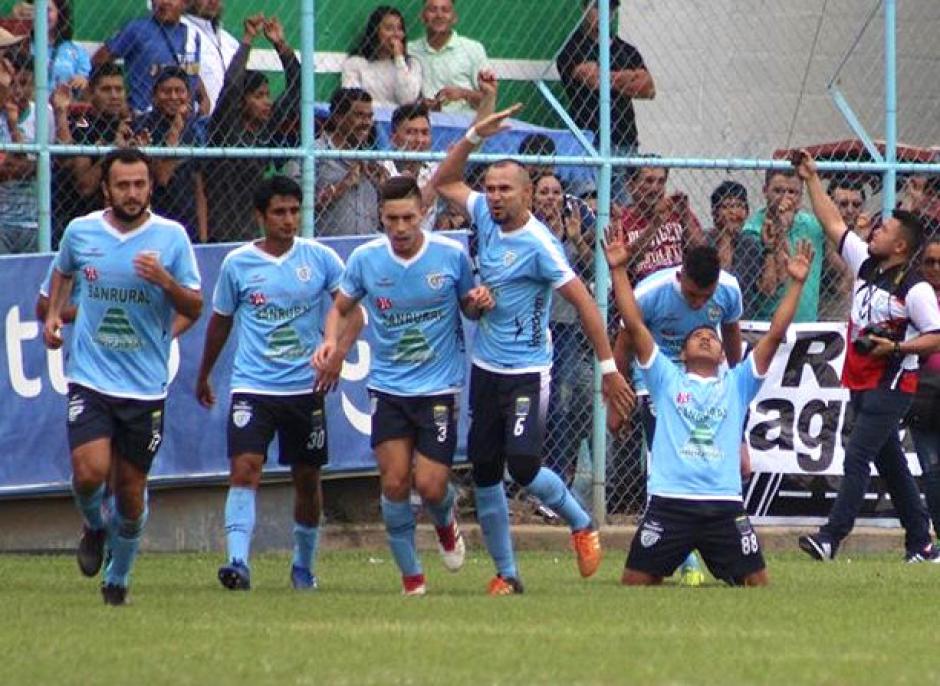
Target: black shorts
[
  {"x": 429, "y": 420},
  {"x": 673, "y": 528},
  {"x": 298, "y": 420},
  {"x": 134, "y": 426},
  {"x": 507, "y": 414}
]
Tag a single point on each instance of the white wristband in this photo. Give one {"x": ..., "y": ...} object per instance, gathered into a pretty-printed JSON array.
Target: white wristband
[
  {"x": 472, "y": 137},
  {"x": 607, "y": 366}
]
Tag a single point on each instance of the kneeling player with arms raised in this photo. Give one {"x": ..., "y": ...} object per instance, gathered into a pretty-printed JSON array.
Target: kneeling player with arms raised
[
  {"x": 413, "y": 285},
  {"x": 694, "y": 482}
]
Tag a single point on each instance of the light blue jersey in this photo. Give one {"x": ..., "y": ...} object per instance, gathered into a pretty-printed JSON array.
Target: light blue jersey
[
  {"x": 696, "y": 448},
  {"x": 521, "y": 269},
  {"x": 414, "y": 313},
  {"x": 669, "y": 318},
  {"x": 279, "y": 305},
  {"x": 121, "y": 343}
]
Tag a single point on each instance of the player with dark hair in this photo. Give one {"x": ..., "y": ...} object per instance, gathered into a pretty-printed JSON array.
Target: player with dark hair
[
  {"x": 272, "y": 290},
  {"x": 136, "y": 269},
  {"x": 414, "y": 284},
  {"x": 694, "y": 484}
]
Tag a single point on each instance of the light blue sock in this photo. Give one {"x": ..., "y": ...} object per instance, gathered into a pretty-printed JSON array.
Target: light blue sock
[
  {"x": 442, "y": 513},
  {"x": 400, "y": 527},
  {"x": 548, "y": 487},
  {"x": 305, "y": 546},
  {"x": 125, "y": 541},
  {"x": 90, "y": 507},
  {"x": 239, "y": 522},
  {"x": 691, "y": 562},
  {"x": 493, "y": 515}
]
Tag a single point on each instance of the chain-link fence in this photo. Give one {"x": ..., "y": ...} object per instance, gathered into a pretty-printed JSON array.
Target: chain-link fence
[{"x": 715, "y": 89}]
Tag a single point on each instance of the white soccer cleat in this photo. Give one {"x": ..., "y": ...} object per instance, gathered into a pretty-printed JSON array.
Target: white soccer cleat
[{"x": 451, "y": 546}]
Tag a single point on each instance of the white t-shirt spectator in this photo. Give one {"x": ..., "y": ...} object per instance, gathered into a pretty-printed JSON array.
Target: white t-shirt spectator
[
  {"x": 218, "y": 47},
  {"x": 390, "y": 82}
]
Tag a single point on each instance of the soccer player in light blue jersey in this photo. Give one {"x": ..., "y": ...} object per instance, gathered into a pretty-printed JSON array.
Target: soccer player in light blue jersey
[
  {"x": 414, "y": 285},
  {"x": 694, "y": 483},
  {"x": 135, "y": 271},
  {"x": 674, "y": 302},
  {"x": 522, "y": 263},
  {"x": 272, "y": 292}
]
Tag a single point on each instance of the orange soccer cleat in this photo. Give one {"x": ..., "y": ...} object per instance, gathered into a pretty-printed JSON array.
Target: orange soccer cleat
[{"x": 587, "y": 546}]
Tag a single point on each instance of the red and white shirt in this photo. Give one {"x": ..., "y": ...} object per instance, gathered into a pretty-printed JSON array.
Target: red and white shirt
[{"x": 897, "y": 299}]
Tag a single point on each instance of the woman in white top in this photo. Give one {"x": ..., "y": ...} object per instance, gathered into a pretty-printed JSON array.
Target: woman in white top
[{"x": 378, "y": 63}]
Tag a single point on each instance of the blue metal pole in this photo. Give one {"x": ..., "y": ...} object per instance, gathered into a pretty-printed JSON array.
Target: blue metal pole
[
  {"x": 888, "y": 189},
  {"x": 602, "y": 277},
  {"x": 41, "y": 98},
  {"x": 307, "y": 101}
]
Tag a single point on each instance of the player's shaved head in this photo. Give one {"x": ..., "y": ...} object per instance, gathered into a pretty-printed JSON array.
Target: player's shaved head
[{"x": 520, "y": 172}]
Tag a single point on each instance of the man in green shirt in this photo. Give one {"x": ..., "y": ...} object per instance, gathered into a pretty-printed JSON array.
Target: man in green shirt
[
  {"x": 450, "y": 62},
  {"x": 779, "y": 226}
]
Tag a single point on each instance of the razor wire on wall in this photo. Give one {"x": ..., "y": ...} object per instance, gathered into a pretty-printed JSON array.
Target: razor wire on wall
[{"x": 706, "y": 99}]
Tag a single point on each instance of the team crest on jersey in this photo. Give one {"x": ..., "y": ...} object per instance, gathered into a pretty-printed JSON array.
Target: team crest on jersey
[
  {"x": 435, "y": 281},
  {"x": 91, "y": 274},
  {"x": 523, "y": 405},
  {"x": 76, "y": 407},
  {"x": 650, "y": 534},
  {"x": 384, "y": 304},
  {"x": 509, "y": 258},
  {"x": 683, "y": 398},
  {"x": 303, "y": 273},
  {"x": 714, "y": 313},
  {"x": 241, "y": 414},
  {"x": 257, "y": 298}
]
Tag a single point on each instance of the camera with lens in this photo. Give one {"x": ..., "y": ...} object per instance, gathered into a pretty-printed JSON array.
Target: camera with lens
[{"x": 864, "y": 344}]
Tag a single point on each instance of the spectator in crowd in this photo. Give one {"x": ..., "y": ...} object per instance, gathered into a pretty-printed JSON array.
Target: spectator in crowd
[
  {"x": 172, "y": 123},
  {"x": 68, "y": 61},
  {"x": 411, "y": 132},
  {"x": 922, "y": 417},
  {"x": 542, "y": 145},
  {"x": 921, "y": 195},
  {"x": 77, "y": 180},
  {"x": 738, "y": 253},
  {"x": 245, "y": 117},
  {"x": 348, "y": 190},
  {"x": 569, "y": 417},
  {"x": 218, "y": 46},
  {"x": 19, "y": 211},
  {"x": 848, "y": 195},
  {"x": 379, "y": 63},
  {"x": 780, "y": 225},
  {"x": 658, "y": 227},
  {"x": 450, "y": 63},
  {"x": 629, "y": 79},
  {"x": 148, "y": 45},
  {"x": 450, "y": 217}
]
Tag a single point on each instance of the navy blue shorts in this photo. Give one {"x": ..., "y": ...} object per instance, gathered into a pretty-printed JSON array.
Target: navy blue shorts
[
  {"x": 298, "y": 420},
  {"x": 507, "y": 414},
  {"x": 134, "y": 426},
  {"x": 430, "y": 421}
]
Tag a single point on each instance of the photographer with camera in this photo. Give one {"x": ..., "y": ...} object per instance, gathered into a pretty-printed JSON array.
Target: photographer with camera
[{"x": 894, "y": 320}]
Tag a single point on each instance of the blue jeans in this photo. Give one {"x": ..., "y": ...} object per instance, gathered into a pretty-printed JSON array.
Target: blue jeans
[
  {"x": 927, "y": 445},
  {"x": 874, "y": 438}
]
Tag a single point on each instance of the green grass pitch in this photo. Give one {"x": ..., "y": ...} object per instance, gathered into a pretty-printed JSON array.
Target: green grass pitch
[{"x": 870, "y": 620}]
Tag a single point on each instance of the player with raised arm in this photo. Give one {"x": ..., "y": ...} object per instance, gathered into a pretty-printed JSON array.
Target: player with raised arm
[
  {"x": 135, "y": 270},
  {"x": 272, "y": 292},
  {"x": 695, "y": 483},
  {"x": 414, "y": 284},
  {"x": 522, "y": 263}
]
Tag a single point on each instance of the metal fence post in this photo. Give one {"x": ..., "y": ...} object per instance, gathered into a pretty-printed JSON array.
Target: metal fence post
[
  {"x": 41, "y": 100},
  {"x": 308, "y": 103},
  {"x": 602, "y": 280},
  {"x": 888, "y": 188}
]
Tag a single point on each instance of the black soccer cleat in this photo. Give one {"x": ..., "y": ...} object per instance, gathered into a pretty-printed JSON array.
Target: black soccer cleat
[
  {"x": 235, "y": 576},
  {"x": 112, "y": 594},
  {"x": 90, "y": 552},
  {"x": 818, "y": 547}
]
